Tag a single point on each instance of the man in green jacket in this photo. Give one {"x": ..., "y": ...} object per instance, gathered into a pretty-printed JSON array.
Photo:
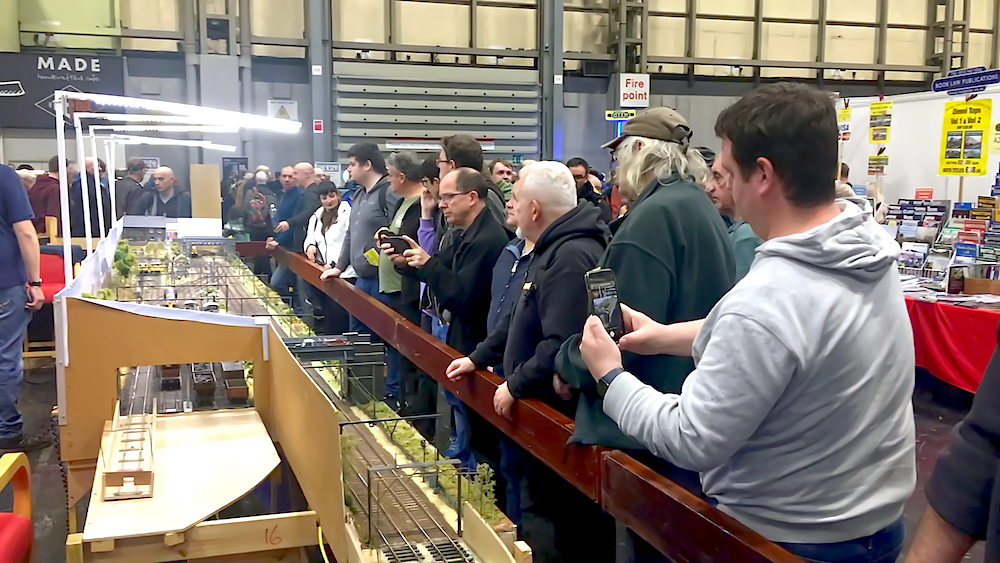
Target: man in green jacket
[
  {"x": 745, "y": 242},
  {"x": 671, "y": 258}
]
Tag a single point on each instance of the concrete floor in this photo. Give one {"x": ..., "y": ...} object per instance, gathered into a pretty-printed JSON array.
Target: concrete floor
[{"x": 937, "y": 408}]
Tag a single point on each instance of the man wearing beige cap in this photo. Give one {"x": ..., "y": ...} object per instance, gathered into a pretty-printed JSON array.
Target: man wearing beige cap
[{"x": 672, "y": 260}]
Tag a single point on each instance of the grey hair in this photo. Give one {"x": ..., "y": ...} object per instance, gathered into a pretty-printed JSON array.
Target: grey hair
[
  {"x": 656, "y": 160},
  {"x": 551, "y": 184},
  {"x": 407, "y": 163}
]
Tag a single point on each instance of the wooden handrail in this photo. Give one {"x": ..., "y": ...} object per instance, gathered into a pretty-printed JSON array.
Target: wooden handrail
[{"x": 677, "y": 523}]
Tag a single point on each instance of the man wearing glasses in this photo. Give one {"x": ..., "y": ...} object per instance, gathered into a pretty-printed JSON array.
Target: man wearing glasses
[{"x": 460, "y": 275}]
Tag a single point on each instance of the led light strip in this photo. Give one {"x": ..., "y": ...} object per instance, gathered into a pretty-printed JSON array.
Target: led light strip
[{"x": 210, "y": 115}]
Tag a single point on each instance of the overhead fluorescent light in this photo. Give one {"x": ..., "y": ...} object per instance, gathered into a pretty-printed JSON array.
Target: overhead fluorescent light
[
  {"x": 210, "y": 115},
  {"x": 140, "y": 140},
  {"x": 166, "y": 128}
]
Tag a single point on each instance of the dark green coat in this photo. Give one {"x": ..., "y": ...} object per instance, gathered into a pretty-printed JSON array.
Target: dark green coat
[{"x": 673, "y": 261}]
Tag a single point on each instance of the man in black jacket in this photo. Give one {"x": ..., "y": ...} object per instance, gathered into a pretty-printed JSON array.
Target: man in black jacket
[
  {"x": 589, "y": 188},
  {"x": 77, "y": 224},
  {"x": 166, "y": 200},
  {"x": 460, "y": 274},
  {"x": 963, "y": 497},
  {"x": 568, "y": 241},
  {"x": 128, "y": 190},
  {"x": 305, "y": 178}
]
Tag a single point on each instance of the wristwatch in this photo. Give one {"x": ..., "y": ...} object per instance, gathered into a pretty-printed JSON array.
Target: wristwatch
[
  {"x": 605, "y": 382},
  {"x": 37, "y": 283}
]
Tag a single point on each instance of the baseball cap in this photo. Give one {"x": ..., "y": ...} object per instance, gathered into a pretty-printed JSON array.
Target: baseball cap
[{"x": 660, "y": 123}]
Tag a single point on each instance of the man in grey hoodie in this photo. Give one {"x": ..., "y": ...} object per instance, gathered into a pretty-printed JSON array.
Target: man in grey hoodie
[{"x": 799, "y": 424}]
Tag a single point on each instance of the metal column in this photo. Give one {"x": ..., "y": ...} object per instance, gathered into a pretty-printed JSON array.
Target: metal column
[
  {"x": 628, "y": 28},
  {"x": 246, "y": 77},
  {"x": 191, "y": 63},
  {"x": 952, "y": 54},
  {"x": 550, "y": 75},
  {"x": 318, "y": 30}
]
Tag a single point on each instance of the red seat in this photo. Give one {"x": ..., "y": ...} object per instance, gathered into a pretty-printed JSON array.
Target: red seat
[
  {"x": 53, "y": 275},
  {"x": 15, "y": 538},
  {"x": 16, "y": 533}
]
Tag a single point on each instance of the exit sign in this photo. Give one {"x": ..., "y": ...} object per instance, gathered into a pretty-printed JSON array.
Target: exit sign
[{"x": 517, "y": 159}]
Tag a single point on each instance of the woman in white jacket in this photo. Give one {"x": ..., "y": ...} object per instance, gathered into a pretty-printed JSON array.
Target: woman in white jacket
[{"x": 324, "y": 239}]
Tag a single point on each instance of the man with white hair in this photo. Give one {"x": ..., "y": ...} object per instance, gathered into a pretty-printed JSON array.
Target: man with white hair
[
  {"x": 671, "y": 258},
  {"x": 568, "y": 241}
]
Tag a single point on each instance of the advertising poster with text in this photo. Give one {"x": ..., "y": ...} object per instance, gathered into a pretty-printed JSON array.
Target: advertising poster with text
[
  {"x": 879, "y": 122},
  {"x": 966, "y": 126}
]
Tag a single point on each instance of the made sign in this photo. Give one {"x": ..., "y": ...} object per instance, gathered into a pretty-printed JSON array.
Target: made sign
[
  {"x": 619, "y": 114},
  {"x": 633, "y": 90},
  {"x": 966, "y": 80}
]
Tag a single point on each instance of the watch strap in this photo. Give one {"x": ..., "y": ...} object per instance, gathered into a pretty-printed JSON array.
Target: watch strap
[
  {"x": 604, "y": 383},
  {"x": 37, "y": 283}
]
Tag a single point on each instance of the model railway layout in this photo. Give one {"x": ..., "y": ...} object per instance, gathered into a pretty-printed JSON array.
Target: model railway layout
[
  {"x": 183, "y": 388},
  {"x": 407, "y": 527}
]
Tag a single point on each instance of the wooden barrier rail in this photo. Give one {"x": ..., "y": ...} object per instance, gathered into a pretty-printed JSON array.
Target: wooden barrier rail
[{"x": 677, "y": 523}]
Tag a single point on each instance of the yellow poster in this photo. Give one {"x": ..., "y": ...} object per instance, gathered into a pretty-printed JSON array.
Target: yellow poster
[
  {"x": 877, "y": 164},
  {"x": 879, "y": 122},
  {"x": 966, "y": 126},
  {"x": 844, "y": 123}
]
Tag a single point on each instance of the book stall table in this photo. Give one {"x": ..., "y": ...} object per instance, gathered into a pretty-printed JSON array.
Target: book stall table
[{"x": 953, "y": 342}]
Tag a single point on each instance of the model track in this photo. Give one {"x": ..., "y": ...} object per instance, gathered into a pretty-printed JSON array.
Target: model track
[{"x": 407, "y": 527}]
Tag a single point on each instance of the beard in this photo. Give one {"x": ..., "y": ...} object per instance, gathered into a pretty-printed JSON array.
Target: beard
[{"x": 519, "y": 233}]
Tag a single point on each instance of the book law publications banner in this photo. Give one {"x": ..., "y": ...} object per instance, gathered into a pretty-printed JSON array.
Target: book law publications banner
[{"x": 966, "y": 125}]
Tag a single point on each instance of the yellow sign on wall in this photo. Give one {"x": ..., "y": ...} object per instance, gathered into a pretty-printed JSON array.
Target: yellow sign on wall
[
  {"x": 965, "y": 138},
  {"x": 619, "y": 114},
  {"x": 879, "y": 122}
]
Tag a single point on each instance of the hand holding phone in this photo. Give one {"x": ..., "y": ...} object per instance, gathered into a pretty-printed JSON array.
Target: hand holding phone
[
  {"x": 604, "y": 302},
  {"x": 398, "y": 244}
]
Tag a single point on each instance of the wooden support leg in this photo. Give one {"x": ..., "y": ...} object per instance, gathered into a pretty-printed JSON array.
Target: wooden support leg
[{"x": 74, "y": 548}]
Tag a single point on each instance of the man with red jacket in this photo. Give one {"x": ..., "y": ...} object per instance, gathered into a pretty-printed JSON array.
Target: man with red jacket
[{"x": 44, "y": 195}]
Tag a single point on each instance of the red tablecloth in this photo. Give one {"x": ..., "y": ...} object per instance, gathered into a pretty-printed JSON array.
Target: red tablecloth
[{"x": 953, "y": 343}]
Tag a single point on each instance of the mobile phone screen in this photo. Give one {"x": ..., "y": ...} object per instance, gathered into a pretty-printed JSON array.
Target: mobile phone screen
[{"x": 604, "y": 301}]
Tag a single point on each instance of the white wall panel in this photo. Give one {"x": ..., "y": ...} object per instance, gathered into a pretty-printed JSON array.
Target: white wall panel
[
  {"x": 851, "y": 45},
  {"x": 512, "y": 28},
  {"x": 912, "y": 12},
  {"x": 981, "y": 14},
  {"x": 788, "y": 42},
  {"x": 852, "y": 10},
  {"x": 726, "y": 7},
  {"x": 805, "y": 9},
  {"x": 585, "y": 32},
  {"x": 904, "y": 47},
  {"x": 278, "y": 18},
  {"x": 668, "y": 5},
  {"x": 666, "y": 36},
  {"x": 432, "y": 24},
  {"x": 159, "y": 15},
  {"x": 979, "y": 49},
  {"x": 349, "y": 27}
]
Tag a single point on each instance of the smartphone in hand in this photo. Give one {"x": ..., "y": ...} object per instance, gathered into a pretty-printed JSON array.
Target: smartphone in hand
[
  {"x": 399, "y": 244},
  {"x": 604, "y": 301}
]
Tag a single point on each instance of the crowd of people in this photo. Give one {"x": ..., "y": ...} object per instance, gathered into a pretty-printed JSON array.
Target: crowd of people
[
  {"x": 764, "y": 361},
  {"x": 751, "y": 298},
  {"x": 159, "y": 195}
]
